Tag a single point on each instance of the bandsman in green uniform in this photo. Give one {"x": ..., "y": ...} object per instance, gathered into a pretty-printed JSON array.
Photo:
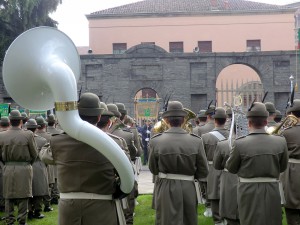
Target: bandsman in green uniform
[{"x": 258, "y": 159}]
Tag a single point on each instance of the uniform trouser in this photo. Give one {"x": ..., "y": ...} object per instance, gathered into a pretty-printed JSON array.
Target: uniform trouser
[
  {"x": 203, "y": 187},
  {"x": 54, "y": 192},
  {"x": 22, "y": 204},
  {"x": 2, "y": 204},
  {"x": 145, "y": 149},
  {"x": 47, "y": 198},
  {"x": 232, "y": 222},
  {"x": 86, "y": 212},
  {"x": 131, "y": 205},
  {"x": 35, "y": 204},
  {"x": 292, "y": 216},
  {"x": 216, "y": 210}
]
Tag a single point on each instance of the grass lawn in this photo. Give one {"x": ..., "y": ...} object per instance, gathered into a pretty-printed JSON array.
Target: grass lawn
[{"x": 144, "y": 214}]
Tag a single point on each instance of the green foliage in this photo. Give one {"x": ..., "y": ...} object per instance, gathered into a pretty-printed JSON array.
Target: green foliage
[{"x": 17, "y": 16}]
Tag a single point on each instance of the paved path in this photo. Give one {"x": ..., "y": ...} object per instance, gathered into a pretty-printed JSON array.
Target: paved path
[{"x": 145, "y": 181}]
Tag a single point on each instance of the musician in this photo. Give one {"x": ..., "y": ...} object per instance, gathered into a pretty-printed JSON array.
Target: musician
[
  {"x": 177, "y": 158},
  {"x": 19, "y": 151},
  {"x": 290, "y": 178},
  {"x": 41, "y": 131},
  {"x": 228, "y": 185},
  {"x": 119, "y": 129},
  {"x": 258, "y": 159},
  {"x": 209, "y": 126},
  {"x": 201, "y": 118},
  {"x": 272, "y": 114},
  {"x": 4, "y": 125},
  {"x": 210, "y": 141},
  {"x": 40, "y": 176},
  {"x": 86, "y": 178}
]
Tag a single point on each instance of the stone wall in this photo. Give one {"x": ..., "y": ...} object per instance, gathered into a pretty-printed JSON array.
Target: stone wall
[{"x": 190, "y": 77}]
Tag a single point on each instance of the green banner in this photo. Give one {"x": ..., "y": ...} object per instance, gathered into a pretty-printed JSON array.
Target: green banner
[
  {"x": 38, "y": 113},
  {"x": 4, "y": 109}
]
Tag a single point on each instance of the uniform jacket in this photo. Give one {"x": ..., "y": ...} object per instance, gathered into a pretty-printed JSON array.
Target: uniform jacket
[
  {"x": 1, "y": 168},
  {"x": 209, "y": 126},
  {"x": 213, "y": 179},
  {"x": 259, "y": 155},
  {"x": 127, "y": 135},
  {"x": 81, "y": 168},
  {"x": 18, "y": 146},
  {"x": 290, "y": 178},
  {"x": 40, "y": 175},
  {"x": 196, "y": 128},
  {"x": 137, "y": 141},
  {"x": 50, "y": 168},
  {"x": 228, "y": 182},
  {"x": 177, "y": 152}
]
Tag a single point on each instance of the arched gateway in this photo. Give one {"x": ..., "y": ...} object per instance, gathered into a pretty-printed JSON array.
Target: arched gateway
[{"x": 190, "y": 77}]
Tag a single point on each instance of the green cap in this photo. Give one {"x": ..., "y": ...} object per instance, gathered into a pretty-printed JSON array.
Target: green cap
[
  {"x": 121, "y": 108},
  {"x": 219, "y": 113},
  {"x": 4, "y": 121},
  {"x": 202, "y": 114},
  {"x": 258, "y": 109},
  {"x": 89, "y": 105},
  {"x": 295, "y": 107},
  {"x": 31, "y": 123},
  {"x": 175, "y": 108},
  {"x": 15, "y": 115},
  {"x": 51, "y": 118},
  {"x": 105, "y": 112},
  {"x": 40, "y": 121},
  {"x": 270, "y": 107},
  {"x": 114, "y": 109}
]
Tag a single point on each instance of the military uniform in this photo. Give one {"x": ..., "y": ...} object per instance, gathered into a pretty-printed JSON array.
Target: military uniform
[
  {"x": 228, "y": 185},
  {"x": 50, "y": 168},
  {"x": 178, "y": 158},
  {"x": 18, "y": 153},
  {"x": 4, "y": 126},
  {"x": 290, "y": 178},
  {"x": 120, "y": 130},
  {"x": 258, "y": 159},
  {"x": 210, "y": 141}
]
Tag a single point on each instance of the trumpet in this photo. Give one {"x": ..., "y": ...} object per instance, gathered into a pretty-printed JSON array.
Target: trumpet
[{"x": 289, "y": 121}]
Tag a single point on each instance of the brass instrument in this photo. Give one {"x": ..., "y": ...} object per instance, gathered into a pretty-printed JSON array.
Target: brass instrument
[
  {"x": 161, "y": 126},
  {"x": 187, "y": 125},
  {"x": 289, "y": 121}
]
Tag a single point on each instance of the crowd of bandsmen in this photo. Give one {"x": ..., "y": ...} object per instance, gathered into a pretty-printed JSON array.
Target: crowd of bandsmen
[
  {"x": 42, "y": 165},
  {"x": 246, "y": 180}
]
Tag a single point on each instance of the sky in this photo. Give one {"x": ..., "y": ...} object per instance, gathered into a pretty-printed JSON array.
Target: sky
[{"x": 72, "y": 21}]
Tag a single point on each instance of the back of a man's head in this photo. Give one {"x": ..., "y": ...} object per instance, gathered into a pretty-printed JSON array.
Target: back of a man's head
[{"x": 89, "y": 108}]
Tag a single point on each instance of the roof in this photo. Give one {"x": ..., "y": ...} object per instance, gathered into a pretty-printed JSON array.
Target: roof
[{"x": 167, "y": 7}]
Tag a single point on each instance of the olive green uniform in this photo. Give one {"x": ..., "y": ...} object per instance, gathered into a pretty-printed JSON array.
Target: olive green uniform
[
  {"x": 290, "y": 178},
  {"x": 18, "y": 153},
  {"x": 259, "y": 155},
  {"x": 210, "y": 142},
  {"x": 177, "y": 152}
]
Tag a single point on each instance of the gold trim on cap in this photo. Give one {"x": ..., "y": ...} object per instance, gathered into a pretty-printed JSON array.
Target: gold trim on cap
[{"x": 66, "y": 106}]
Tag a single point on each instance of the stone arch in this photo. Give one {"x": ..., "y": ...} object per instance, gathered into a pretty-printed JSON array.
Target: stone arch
[{"x": 145, "y": 49}]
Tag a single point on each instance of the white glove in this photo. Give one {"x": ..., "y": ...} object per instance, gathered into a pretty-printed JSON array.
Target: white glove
[
  {"x": 148, "y": 132},
  {"x": 147, "y": 139}
]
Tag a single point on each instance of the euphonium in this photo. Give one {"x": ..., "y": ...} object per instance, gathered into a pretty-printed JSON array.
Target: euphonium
[
  {"x": 289, "y": 121},
  {"x": 160, "y": 127},
  {"x": 40, "y": 70},
  {"x": 187, "y": 125}
]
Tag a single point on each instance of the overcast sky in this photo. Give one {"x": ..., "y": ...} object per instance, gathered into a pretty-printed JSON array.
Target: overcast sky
[{"x": 71, "y": 15}]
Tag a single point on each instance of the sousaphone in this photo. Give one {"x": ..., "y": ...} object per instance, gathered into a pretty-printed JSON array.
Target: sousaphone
[{"x": 40, "y": 72}]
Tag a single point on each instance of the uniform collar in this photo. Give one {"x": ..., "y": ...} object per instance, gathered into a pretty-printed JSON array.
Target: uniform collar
[
  {"x": 15, "y": 128},
  {"x": 258, "y": 131},
  {"x": 176, "y": 130}
]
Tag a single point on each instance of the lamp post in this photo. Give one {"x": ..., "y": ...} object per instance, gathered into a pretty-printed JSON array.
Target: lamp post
[{"x": 292, "y": 82}]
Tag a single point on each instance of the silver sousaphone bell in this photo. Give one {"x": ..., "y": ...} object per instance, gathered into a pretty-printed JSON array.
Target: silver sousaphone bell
[{"x": 40, "y": 70}]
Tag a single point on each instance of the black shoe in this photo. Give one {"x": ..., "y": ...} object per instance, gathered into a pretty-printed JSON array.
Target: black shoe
[
  {"x": 54, "y": 201},
  {"x": 30, "y": 215},
  {"x": 48, "y": 209},
  {"x": 38, "y": 215}
]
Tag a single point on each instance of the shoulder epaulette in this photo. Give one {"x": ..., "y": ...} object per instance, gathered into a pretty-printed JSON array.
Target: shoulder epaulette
[
  {"x": 126, "y": 129},
  {"x": 113, "y": 136},
  {"x": 156, "y": 135},
  {"x": 195, "y": 135}
]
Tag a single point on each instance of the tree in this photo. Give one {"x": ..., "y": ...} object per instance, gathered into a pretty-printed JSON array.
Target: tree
[{"x": 17, "y": 16}]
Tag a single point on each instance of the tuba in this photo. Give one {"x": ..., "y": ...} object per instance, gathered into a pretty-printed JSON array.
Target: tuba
[
  {"x": 187, "y": 125},
  {"x": 289, "y": 121},
  {"x": 40, "y": 70}
]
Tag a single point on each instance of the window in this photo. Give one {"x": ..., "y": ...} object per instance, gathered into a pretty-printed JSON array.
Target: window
[
  {"x": 253, "y": 46},
  {"x": 205, "y": 46},
  {"x": 119, "y": 48},
  {"x": 176, "y": 47}
]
